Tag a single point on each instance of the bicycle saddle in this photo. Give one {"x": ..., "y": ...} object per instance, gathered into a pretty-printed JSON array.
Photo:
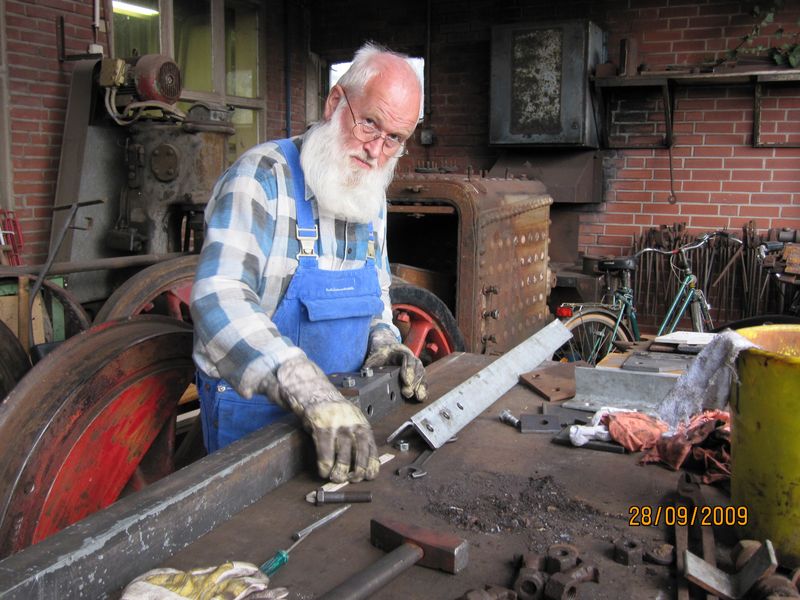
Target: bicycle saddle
[{"x": 623, "y": 263}]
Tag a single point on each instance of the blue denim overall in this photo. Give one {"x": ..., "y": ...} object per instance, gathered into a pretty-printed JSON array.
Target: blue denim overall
[{"x": 326, "y": 313}]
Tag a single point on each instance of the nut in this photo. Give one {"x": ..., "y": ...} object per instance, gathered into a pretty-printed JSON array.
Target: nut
[
  {"x": 530, "y": 584},
  {"x": 561, "y": 586},
  {"x": 564, "y": 585},
  {"x": 627, "y": 551},
  {"x": 402, "y": 445},
  {"x": 774, "y": 586},
  {"x": 561, "y": 557}
]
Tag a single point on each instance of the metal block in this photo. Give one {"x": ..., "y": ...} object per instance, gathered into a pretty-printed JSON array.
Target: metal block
[
  {"x": 657, "y": 362},
  {"x": 617, "y": 388},
  {"x": 539, "y": 424}
]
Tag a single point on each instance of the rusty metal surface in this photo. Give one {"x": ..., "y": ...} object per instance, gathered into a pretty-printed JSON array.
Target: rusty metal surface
[
  {"x": 502, "y": 252},
  {"x": 93, "y": 419},
  {"x": 540, "y": 84}
]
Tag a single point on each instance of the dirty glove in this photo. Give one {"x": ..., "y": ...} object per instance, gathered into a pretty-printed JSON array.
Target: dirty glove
[
  {"x": 342, "y": 435},
  {"x": 384, "y": 350},
  {"x": 229, "y": 581}
]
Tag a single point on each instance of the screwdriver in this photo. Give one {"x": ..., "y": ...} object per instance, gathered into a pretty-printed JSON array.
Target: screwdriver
[{"x": 282, "y": 556}]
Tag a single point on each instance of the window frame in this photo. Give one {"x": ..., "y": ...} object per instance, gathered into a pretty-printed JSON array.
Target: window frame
[{"x": 218, "y": 80}]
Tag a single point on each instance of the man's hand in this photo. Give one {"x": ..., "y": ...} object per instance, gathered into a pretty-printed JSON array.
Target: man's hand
[
  {"x": 384, "y": 349},
  {"x": 342, "y": 435}
]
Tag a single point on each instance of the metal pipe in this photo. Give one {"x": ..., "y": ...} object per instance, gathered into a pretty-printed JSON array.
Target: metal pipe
[
  {"x": 287, "y": 73},
  {"x": 98, "y": 264}
]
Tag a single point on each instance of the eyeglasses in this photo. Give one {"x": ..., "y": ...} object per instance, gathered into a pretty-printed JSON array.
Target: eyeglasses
[{"x": 365, "y": 132}]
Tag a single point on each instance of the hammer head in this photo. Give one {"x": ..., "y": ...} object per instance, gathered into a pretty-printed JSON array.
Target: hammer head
[{"x": 440, "y": 550}]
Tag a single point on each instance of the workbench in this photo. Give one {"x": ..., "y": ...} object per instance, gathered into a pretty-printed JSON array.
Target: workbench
[
  {"x": 562, "y": 494},
  {"x": 505, "y": 492}
]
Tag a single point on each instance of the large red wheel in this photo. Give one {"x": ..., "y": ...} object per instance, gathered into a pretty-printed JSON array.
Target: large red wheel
[
  {"x": 92, "y": 421},
  {"x": 426, "y": 325},
  {"x": 161, "y": 289}
]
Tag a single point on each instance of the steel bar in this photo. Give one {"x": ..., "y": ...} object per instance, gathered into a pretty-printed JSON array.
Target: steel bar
[{"x": 441, "y": 420}]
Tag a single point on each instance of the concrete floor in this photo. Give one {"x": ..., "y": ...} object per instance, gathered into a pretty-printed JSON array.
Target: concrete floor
[{"x": 505, "y": 492}]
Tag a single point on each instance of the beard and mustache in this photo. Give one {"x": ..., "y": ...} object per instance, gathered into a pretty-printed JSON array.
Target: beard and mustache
[{"x": 343, "y": 189}]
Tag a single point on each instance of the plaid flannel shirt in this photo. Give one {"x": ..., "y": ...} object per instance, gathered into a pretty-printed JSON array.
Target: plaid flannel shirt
[{"x": 248, "y": 259}]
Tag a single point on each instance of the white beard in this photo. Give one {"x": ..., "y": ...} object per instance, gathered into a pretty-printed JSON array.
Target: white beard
[{"x": 343, "y": 189}]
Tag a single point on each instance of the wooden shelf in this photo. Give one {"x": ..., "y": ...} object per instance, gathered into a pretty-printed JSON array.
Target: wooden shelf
[{"x": 667, "y": 81}]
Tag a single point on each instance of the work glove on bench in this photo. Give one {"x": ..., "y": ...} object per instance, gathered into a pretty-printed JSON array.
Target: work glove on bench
[
  {"x": 385, "y": 350},
  {"x": 341, "y": 433},
  {"x": 228, "y": 581}
]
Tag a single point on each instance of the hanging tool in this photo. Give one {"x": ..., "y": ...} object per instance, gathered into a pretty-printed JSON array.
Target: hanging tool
[{"x": 282, "y": 556}]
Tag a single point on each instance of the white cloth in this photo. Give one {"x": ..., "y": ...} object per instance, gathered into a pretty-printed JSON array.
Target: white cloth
[{"x": 707, "y": 382}]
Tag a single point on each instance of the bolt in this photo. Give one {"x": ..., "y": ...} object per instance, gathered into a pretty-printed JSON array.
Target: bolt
[{"x": 509, "y": 419}]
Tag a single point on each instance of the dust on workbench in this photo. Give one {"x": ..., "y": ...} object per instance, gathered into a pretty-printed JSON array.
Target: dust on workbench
[{"x": 537, "y": 507}]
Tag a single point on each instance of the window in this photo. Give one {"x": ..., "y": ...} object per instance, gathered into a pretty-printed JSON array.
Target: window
[
  {"x": 418, "y": 64},
  {"x": 220, "y": 64},
  {"x": 136, "y": 28}
]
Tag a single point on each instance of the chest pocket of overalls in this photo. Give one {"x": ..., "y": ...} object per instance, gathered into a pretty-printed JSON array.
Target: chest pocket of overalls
[{"x": 335, "y": 311}]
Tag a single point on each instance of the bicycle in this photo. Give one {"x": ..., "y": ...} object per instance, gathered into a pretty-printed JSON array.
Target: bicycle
[{"x": 597, "y": 326}]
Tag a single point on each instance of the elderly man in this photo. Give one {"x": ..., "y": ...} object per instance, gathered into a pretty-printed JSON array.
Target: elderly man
[{"x": 293, "y": 281}]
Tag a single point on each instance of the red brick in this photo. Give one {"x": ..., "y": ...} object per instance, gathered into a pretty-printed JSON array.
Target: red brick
[
  {"x": 703, "y": 163},
  {"x": 741, "y": 186},
  {"x": 702, "y": 186},
  {"x": 780, "y": 186},
  {"x": 698, "y": 209},
  {"x": 709, "y": 222},
  {"x": 709, "y": 151},
  {"x": 749, "y": 175},
  {"x": 759, "y": 211}
]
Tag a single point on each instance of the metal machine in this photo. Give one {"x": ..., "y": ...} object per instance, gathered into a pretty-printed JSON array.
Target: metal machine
[{"x": 127, "y": 143}]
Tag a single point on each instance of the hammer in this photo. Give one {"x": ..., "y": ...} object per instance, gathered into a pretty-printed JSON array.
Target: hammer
[{"x": 407, "y": 545}]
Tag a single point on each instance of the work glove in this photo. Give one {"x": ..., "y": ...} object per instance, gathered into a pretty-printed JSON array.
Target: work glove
[
  {"x": 229, "y": 581},
  {"x": 384, "y": 350},
  {"x": 341, "y": 433}
]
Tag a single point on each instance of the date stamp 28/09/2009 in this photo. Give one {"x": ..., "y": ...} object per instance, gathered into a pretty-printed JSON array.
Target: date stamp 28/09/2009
[{"x": 705, "y": 516}]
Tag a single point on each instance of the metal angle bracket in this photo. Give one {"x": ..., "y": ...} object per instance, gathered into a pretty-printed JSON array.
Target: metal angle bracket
[{"x": 441, "y": 420}]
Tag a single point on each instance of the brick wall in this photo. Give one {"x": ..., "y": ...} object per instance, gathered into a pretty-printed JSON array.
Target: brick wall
[
  {"x": 719, "y": 179},
  {"x": 38, "y": 86}
]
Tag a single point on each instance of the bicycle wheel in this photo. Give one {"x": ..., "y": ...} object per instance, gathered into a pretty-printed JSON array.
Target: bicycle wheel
[{"x": 592, "y": 336}]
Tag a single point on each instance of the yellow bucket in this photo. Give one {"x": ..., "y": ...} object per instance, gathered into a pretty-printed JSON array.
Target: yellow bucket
[{"x": 765, "y": 438}]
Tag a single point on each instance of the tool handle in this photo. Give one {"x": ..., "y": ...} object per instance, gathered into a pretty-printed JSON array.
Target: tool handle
[
  {"x": 364, "y": 584},
  {"x": 276, "y": 562}
]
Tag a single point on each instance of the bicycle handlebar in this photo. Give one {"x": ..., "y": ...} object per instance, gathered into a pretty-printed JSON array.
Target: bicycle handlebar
[{"x": 701, "y": 241}]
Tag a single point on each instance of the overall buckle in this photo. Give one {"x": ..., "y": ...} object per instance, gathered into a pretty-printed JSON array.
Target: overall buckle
[{"x": 307, "y": 236}]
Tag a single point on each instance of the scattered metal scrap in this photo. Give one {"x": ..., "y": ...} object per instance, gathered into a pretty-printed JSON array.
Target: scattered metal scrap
[
  {"x": 554, "y": 576},
  {"x": 735, "y": 586}
]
